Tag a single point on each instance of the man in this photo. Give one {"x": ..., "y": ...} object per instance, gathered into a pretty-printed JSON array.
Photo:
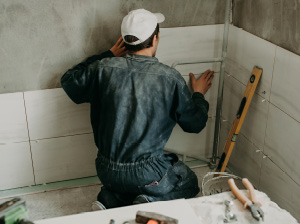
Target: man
[{"x": 135, "y": 103}]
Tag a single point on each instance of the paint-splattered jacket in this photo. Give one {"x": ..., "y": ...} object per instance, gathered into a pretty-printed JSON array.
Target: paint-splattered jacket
[{"x": 135, "y": 103}]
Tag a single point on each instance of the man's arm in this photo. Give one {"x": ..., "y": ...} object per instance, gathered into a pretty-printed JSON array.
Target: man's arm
[
  {"x": 78, "y": 81},
  {"x": 192, "y": 116}
]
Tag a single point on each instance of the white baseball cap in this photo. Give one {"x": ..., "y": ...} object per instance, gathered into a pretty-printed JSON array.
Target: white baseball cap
[{"x": 141, "y": 24}]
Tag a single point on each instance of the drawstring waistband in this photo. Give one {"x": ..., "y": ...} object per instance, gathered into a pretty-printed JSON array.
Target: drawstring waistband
[{"x": 132, "y": 165}]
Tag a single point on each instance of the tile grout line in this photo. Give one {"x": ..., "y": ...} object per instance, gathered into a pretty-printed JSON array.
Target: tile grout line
[
  {"x": 268, "y": 113},
  {"x": 263, "y": 149},
  {"x": 6, "y": 143},
  {"x": 62, "y": 136},
  {"x": 33, "y": 172},
  {"x": 285, "y": 112},
  {"x": 274, "y": 61},
  {"x": 283, "y": 171},
  {"x": 231, "y": 76},
  {"x": 53, "y": 186}
]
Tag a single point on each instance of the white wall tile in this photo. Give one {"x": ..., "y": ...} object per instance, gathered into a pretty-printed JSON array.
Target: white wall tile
[
  {"x": 280, "y": 188},
  {"x": 15, "y": 165},
  {"x": 254, "y": 125},
  {"x": 245, "y": 160},
  {"x": 13, "y": 125},
  {"x": 64, "y": 158},
  {"x": 286, "y": 79},
  {"x": 282, "y": 142},
  {"x": 245, "y": 51},
  {"x": 52, "y": 114},
  {"x": 185, "y": 44},
  {"x": 193, "y": 145}
]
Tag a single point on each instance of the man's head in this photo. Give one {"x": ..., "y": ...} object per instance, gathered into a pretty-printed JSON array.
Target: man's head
[{"x": 140, "y": 30}]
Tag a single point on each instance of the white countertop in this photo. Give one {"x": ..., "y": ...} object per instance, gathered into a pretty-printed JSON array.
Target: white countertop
[{"x": 208, "y": 209}]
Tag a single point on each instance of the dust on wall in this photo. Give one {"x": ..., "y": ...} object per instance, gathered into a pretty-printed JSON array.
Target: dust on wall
[
  {"x": 40, "y": 40},
  {"x": 277, "y": 21}
]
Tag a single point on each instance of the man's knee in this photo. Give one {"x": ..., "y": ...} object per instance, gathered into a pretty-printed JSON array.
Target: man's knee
[{"x": 108, "y": 198}]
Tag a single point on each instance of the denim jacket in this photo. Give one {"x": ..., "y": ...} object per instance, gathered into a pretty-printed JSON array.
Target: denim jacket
[{"x": 135, "y": 102}]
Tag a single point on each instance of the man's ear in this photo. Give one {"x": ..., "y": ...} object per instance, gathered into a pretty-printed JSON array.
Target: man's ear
[{"x": 153, "y": 40}]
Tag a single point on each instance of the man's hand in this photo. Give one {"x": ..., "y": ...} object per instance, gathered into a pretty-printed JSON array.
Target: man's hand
[
  {"x": 119, "y": 49},
  {"x": 203, "y": 83}
]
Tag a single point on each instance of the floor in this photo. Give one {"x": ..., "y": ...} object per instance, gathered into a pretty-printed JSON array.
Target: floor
[{"x": 72, "y": 200}]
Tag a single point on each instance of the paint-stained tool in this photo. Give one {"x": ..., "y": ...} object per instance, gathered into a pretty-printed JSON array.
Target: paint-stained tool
[
  {"x": 153, "y": 218},
  {"x": 112, "y": 221},
  {"x": 253, "y": 204},
  {"x": 14, "y": 212},
  {"x": 240, "y": 116}
]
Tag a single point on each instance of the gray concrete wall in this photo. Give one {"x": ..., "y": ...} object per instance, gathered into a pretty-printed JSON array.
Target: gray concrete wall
[
  {"x": 277, "y": 21},
  {"x": 41, "y": 39}
]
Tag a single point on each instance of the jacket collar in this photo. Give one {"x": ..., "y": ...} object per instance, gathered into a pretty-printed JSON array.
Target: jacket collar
[{"x": 142, "y": 58}]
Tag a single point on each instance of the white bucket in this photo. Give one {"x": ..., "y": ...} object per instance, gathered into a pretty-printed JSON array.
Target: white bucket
[{"x": 214, "y": 185}]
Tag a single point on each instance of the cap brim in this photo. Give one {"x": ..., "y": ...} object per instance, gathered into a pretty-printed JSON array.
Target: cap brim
[{"x": 160, "y": 17}]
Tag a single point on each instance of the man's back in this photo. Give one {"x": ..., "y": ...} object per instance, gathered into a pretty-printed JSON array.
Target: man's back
[{"x": 135, "y": 107}]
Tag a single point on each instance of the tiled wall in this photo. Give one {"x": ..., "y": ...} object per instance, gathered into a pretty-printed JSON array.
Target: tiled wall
[
  {"x": 185, "y": 44},
  {"x": 15, "y": 156},
  {"x": 267, "y": 150},
  {"x": 45, "y": 137}
]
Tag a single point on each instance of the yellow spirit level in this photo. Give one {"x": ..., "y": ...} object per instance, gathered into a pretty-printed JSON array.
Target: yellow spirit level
[{"x": 239, "y": 119}]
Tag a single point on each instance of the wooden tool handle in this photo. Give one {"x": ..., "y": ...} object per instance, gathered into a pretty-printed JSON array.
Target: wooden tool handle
[
  {"x": 245, "y": 201},
  {"x": 152, "y": 222},
  {"x": 153, "y": 218},
  {"x": 251, "y": 190}
]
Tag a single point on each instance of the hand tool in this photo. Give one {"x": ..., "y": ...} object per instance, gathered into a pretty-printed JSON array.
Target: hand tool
[
  {"x": 112, "y": 221},
  {"x": 240, "y": 116},
  {"x": 14, "y": 212},
  {"x": 153, "y": 218},
  {"x": 253, "y": 204}
]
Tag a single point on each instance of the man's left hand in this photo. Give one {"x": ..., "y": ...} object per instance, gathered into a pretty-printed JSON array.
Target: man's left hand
[{"x": 119, "y": 49}]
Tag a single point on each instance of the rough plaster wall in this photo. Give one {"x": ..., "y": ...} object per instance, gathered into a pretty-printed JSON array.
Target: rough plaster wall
[
  {"x": 41, "y": 39},
  {"x": 277, "y": 21}
]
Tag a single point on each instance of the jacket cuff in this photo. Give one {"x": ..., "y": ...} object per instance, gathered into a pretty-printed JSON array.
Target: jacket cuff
[
  {"x": 197, "y": 95},
  {"x": 200, "y": 101}
]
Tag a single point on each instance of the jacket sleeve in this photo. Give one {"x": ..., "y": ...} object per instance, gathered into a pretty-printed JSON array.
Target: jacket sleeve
[
  {"x": 78, "y": 81},
  {"x": 192, "y": 112}
]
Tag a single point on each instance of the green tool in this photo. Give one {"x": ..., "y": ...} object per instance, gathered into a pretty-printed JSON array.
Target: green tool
[{"x": 14, "y": 212}]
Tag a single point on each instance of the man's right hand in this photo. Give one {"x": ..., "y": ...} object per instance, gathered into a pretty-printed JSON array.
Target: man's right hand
[
  {"x": 203, "y": 84},
  {"x": 119, "y": 49}
]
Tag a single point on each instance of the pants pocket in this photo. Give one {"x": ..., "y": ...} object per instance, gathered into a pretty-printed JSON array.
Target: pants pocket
[{"x": 161, "y": 187}]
